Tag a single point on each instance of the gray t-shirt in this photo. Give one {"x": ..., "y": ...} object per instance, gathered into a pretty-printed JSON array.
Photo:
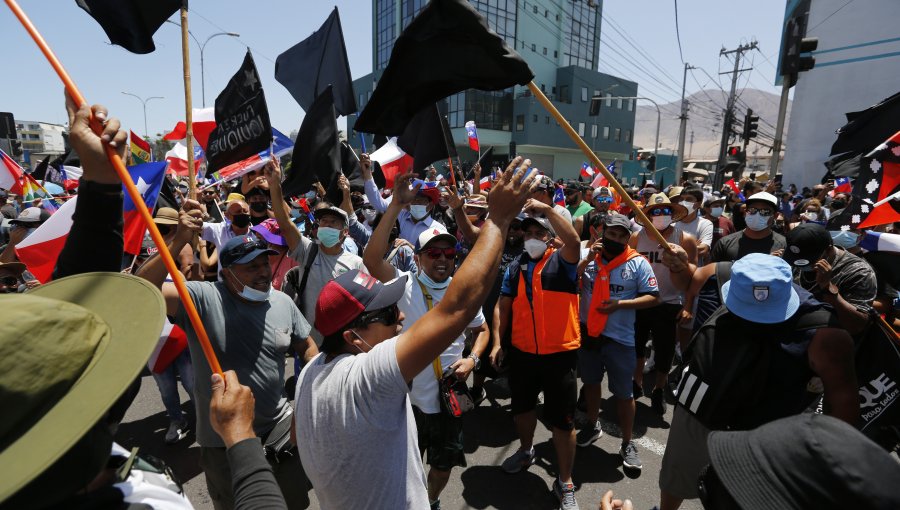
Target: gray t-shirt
[
  {"x": 250, "y": 339},
  {"x": 356, "y": 432},
  {"x": 324, "y": 269},
  {"x": 853, "y": 277}
]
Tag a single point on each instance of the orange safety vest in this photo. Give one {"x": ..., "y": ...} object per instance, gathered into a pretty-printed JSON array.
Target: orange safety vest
[
  {"x": 549, "y": 322},
  {"x": 596, "y": 320}
]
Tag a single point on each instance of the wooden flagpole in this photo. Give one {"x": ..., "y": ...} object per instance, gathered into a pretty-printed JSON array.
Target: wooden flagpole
[
  {"x": 188, "y": 106},
  {"x": 131, "y": 189},
  {"x": 596, "y": 161}
]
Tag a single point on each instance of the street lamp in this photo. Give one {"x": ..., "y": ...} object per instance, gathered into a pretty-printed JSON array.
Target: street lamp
[
  {"x": 202, "y": 48},
  {"x": 144, "y": 102},
  {"x": 658, "y": 117}
]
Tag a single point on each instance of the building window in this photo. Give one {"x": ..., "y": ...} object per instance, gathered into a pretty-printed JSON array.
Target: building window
[
  {"x": 564, "y": 94},
  {"x": 546, "y": 13},
  {"x": 547, "y": 120},
  {"x": 535, "y": 9},
  {"x": 584, "y": 96},
  {"x": 555, "y": 54},
  {"x": 533, "y": 47},
  {"x": 520, "y": 123},
  {"x": 618, "y": 136},
  {"x": 523, "y": 44},
  {"x": 606, "y": 132},
  {"x": 627, "y": 136},
  {"x": 362, "y": 100},
  {"x": 545, "y": 50},
  {"x": 593, "y": 131},
  {"x": 543, "y": 88},
  {"x": 608, "y": 100},
  {"x": 631, "y": 105},
  {"x": 581, "y": 129},
  {"x": 619, "y": 105},
  {"x": 534, "y": 118}
]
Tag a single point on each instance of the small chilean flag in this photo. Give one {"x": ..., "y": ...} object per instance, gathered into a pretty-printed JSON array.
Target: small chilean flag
[
  {"x": 203, "y": 122},
  {"x": 40, "y": 250},
  {"x": 586, "y": 170},
  {"x": 393, "y": 161},
  {"x": 731, "y": 184},
  {"x": 484, "y": 183},
  {"x": 559, "y": 197},
  {"x": 148, "y": 179},
  {"x": 842, "y": 185},
  {"x": 472, "y": 133},
  {"x": 172, "y": 341}
]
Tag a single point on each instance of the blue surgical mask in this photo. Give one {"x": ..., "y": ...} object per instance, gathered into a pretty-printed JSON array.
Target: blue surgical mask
[
  {"x": 845, "y": 239},
  {"x": 756, "y": 222},
  {"x": 431, "y": 284},
  {"x": 251, "y": 294},
  {"x": 328, "y": 236},
  {"x": 715, "y": 212},
  {"x": 418, "y": 211}
]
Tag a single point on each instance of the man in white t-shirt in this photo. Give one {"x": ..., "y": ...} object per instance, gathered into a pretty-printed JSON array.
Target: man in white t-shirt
[
  {"x": 355, "y": 427},
  {"x": 237, "y": 223},
  {"x": 440, "y": 435},
  {"x": 694, "y": 223}
]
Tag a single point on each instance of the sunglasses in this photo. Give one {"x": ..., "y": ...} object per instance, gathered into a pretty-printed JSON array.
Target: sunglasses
[
  {"x": 604, "y": 200},
  {"x": 661, "y": 211},
  {"x": 762, "y": 212},
  {"x": 244, "y": 249},
  {"x": 435, "y": 253},
  {"x": 389, "y": 316},
  {"x": 209, "y": 192},
  {"x": 9, "y": 281}
]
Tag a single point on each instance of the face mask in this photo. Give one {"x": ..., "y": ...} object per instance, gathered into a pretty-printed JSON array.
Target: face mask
[
  {"x": 838, "y": 204},
  {"x": 535, "y": 248},
  {"x": 259, "y": 206},
  {"x": 756, "y": 223},
  {"x": 473, "y": 217},
  {"x": 613, "y": 248},
  {"x": 661, "y": 222},
  {"x": 369, "y": 215},
  {"x": 431, "y": 284},
  {"x": 240, "y": 220},
  {"x": 691, "y": 206},
  {"x": 251, "y": 294},
  {"x": 310, "y": 195},
  {"x": 715, "y": 212},
  {"x": 418, "y": 211},
  {"x": 361, "y": 339},
  {"x": 845, "y": 239},
  {"x": 811, "y": 216},
  {"x": 328, "y": 236}
]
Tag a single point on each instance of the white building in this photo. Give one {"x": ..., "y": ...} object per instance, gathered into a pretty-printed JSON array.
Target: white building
[{"x": 41, "y": 137}]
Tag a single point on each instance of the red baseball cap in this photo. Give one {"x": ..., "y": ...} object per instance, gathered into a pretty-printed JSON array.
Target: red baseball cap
[{"x": 343, "y": 299}]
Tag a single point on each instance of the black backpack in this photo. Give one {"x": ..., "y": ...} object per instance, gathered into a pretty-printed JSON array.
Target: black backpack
[{"x": 740, "y": 375}]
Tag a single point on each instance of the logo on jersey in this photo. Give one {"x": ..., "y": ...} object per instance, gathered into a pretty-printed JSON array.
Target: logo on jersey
[
  {"x": 627, "y": 274},
  {"x": 652, "y": 281},
  {"x": 760, "y": 292}
]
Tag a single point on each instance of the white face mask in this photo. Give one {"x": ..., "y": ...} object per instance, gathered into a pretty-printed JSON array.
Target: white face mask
[
  {"x": 361, "y": 339},
  {"x": 369, "y": 215},
  {"x": 418, "y": 211},
  {"x": 690, "y": 206},
  {"x": 811, "y": 216},
  {"x": 251, "y": 294},
  {"x": 756, "y": 222},
  {"x": 661, "y": 222},
  {"x": 535, "y": 248},
  {"x": 715, "y": 212}
]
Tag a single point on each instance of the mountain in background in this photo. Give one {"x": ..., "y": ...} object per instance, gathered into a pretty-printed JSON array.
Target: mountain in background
[{"x": 704, "y": 119}]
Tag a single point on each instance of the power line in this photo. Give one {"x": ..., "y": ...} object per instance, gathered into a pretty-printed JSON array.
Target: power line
[
  {"x": 678, "y": 33},
  {"x": 217, "y": 27}
]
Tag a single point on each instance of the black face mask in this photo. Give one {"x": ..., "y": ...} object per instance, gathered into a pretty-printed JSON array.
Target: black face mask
[
  {"x": 259, "y": 206},
  {"x": 838, "y": 204},
  {"x": 613, "y": 248},
  {"x": 240, "y": 220}
]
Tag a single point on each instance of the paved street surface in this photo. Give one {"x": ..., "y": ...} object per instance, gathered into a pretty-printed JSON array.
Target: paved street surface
[{"x": 490, "y": 438}]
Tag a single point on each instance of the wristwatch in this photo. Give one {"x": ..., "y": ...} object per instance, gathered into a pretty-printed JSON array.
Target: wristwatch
[{"x": 476, "y": 359}]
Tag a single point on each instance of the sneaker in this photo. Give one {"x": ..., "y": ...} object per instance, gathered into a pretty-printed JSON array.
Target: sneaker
[
  {"x": 637, "y": 391},
  {"x": 436, "y": 505},
  {"x": 629, "y": 455},
  {"x": 566, "y": 495},
  {"x": 650, "y": 364},
  {"x": 518, "y": 461},
  {"x": 658, "y": 401},
  {"x": 177, "y": 431},
  {"x": 588, "y": 435},
  {"x": 478, "y": 394}
]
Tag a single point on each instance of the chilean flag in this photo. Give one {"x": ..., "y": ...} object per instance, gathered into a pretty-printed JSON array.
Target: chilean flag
[
  {"x": 148, "y": 178},
  {"x": 485, "y": 183},
  {"x": 559, "y": 197},
  {"x": 10, "y": 174},
  {"x": 586, "y": 170},
  {"x": 281, "y": 145},
  {"x": 177, "y": 159},
  {"x": 472, "y": 133},
  {"x": 40, "y": 250},
  {"x": 172, "y": 341},
  {"x": 880, "y": 241},
  {"x": 203, "y": 122},
  {"x": 731, "y": 184},
  {"x": 393, "y": 161},
  {"x": 842, "y": 185}
]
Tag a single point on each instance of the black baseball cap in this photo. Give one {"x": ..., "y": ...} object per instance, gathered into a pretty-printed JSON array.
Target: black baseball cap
[
  {"x": 343, "y": 299},
  {"x": 243, "y": 249},
  {"x": 617, "y": 220},
  {"x": 804, "y": 461},
  {"x": 805, "y": 244}
]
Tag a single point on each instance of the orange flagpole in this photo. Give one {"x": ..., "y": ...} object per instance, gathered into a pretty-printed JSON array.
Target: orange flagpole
[{"x": 133, "y": 192}]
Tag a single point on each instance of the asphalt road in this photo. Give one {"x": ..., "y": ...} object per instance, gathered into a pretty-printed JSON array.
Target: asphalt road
[{"x": 489, "y": 438}]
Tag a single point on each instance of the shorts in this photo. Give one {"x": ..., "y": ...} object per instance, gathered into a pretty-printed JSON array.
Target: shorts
[
  {"x": 441, "y": 436},
  {"x": 686, "y": 455},
  {"x": 554, "y": 374},
  {"x": 659, "y": 320},
  {"x": 605, "y": 355}
]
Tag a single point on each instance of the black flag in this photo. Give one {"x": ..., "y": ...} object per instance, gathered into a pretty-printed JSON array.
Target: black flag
[
  {"x": 40, "y": 171},
  {"x": 131, "y": 23},
  {"x": 446, "y": 49},
  {"x": 317, "y": 152},
  {"x": 866, "y": 129},
  {"x": 242, "y": 120},
  {"x": 426, "y": 138},
  {"x": 316, "y": 62}
]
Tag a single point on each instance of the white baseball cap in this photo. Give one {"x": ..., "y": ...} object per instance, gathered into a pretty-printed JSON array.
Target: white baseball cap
[{"x": 432, "y": 234}]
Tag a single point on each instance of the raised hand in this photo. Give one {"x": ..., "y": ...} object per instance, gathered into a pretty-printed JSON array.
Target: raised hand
[
  {"x": 92, "y": 148},
  {"x": 511, "y": 190},
  {"x": 404, "y": 194}
]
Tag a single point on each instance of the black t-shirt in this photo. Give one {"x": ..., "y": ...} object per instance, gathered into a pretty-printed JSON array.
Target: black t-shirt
[
  {"x": 256, "y": 220},
  {"x": 735, "y": 246}
]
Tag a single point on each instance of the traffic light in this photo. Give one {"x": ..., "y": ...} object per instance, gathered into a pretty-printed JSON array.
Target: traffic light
[
  {"x": 751, "y": 124},
  {"x": 16, "y": 147},
  {"x": 735, "y": 156},
  {"x": 796, "y": 56}
]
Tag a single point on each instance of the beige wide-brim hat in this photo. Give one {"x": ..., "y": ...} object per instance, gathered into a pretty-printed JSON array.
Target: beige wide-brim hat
[
  {"x": 68, "y": 350},
  {"x": 659, "y": 200}
]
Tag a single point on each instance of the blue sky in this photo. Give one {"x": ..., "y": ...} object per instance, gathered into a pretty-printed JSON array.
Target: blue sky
[{"x": 32, "y": 92}]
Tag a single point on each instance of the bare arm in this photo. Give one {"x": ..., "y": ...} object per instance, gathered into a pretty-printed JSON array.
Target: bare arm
[
  {"x": 565, "y": 232},
  {"x": 831, "y": 358},
  {"x": 306, "y": 348},
  {"x": 431, "y": 334},
  {"x": 470, "y": 232},
  {"x": 279, "y": 206}
]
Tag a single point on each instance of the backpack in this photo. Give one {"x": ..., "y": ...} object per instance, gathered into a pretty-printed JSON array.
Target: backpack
[
  {"x": 294, "y": 284},
  {"x": 739, "y": 375}
]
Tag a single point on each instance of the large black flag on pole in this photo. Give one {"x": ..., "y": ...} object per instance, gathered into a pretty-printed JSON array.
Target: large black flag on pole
[
  {"x": 131, "y": 23},
  {"x": 317, "y": 152},
  {"x": 316, "y": 62},
  {"x": 242, "y": 127},
  {"x": 446, "y": 49},
  {"x": 425, "y": 138}
]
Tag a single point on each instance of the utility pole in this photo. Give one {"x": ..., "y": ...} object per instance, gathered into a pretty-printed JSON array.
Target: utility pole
[
  {"x": 729, "y": 109},
  {"x": 691, "y": 150},
  {"x": 682, "y": 128}
]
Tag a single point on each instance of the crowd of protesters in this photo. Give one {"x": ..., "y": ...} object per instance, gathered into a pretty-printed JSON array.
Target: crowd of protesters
[{"x": 390, "y": 300}]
